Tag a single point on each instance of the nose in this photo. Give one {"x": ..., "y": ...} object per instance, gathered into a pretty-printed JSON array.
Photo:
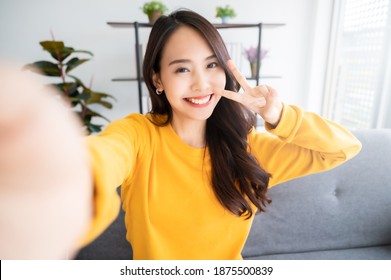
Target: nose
[{"x": 200, "y": 81}]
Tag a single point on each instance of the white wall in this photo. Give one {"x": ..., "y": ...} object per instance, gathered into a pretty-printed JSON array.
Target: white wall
[{"x": 82, "y": 25}]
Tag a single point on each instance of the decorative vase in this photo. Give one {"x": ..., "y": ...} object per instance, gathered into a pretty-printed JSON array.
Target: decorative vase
[
  {"x": 154, "y": 16},
  {"x": 253, "y": 66},
  {"x": 224, "y": 20}
]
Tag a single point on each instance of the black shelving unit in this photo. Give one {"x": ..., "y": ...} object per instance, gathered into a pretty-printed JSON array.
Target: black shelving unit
[{"x": 137, "y": 25}]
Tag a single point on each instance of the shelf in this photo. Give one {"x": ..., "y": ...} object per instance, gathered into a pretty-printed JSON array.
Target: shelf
[
  {"x": 125, "y": 79},
  {"x": 217, "y": 25},
  {"x": 246, "y": 25},
  {"x": 137, "y": 25},
  {"x": 127, "y": 24}
]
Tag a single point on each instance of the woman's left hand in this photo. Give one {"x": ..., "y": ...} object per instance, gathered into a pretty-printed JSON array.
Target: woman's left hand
[{"x": 261, "y": 99}]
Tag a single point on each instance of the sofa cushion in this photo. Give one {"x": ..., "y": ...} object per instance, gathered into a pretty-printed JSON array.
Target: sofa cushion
[
  {"x": 367, "y": 253},
  {"x": 344, "y": 208}
]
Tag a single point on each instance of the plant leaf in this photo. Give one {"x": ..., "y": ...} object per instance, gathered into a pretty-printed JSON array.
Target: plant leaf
[
  {"x": 59, "y": 51},
  {"x": 78, "y": 81},
  {"x": 94, "y": 128},
  {"x": 106, "y": 104},
  {"x": 52, "y": 46},
  {"x": 68, "y": 51},
  {"x": 73, "y": 63},
  {"x": 44, "y": 68},
  {"x": 63, "y": 54},
  {"x": 56, "y": 49},
  {"x": 84, "y": 96},
  {"x": 82, "y": 51},
  {"x": 95, "y": 114},
  {"x": 74, "y": 99},
  {"x": 105, "y": 95},
  {"x": 70, "y": 88},
  {"x": 96, "y": 97},
  {"x": 62, "y": 86}
]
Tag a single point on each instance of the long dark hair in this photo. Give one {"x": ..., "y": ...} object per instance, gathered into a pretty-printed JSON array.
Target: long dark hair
[{"x": 237, "y": 178}]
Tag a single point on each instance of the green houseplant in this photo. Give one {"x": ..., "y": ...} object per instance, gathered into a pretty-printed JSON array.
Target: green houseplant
[
  {"x": 79, "y": 95},
  {"x": 154, "y": 10},
  {"x": 225, "y": 12}
]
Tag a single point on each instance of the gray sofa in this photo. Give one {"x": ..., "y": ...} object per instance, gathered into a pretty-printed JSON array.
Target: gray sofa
[{"x": 344, "y": 213}]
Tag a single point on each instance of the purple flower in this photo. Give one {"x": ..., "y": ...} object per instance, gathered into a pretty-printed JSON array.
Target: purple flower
[{"x": 251, "y": 53}]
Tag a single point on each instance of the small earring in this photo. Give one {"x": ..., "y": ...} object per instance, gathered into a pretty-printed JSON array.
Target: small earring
[{"x": 158, "y": 92}]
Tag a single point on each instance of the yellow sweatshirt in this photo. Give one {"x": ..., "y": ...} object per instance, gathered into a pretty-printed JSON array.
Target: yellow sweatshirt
[{"x": 171, "y": 210}]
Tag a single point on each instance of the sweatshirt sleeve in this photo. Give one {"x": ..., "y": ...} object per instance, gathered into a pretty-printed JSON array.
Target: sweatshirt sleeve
[
  {"x": 303, "y": 143},
  {"x": 113, "y": 154}
]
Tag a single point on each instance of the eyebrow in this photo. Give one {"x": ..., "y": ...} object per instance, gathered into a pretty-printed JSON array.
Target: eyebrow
[{"x": 176, "y": 61}]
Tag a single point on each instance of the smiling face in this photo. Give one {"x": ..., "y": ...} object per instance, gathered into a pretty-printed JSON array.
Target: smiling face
[{"x": 189, "y": 70}]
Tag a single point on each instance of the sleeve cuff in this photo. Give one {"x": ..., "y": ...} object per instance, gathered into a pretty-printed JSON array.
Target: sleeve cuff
[{"x": 291, "y": 118}]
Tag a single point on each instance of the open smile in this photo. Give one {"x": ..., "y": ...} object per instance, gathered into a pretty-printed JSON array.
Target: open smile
[{"x": 201, "y": 100}]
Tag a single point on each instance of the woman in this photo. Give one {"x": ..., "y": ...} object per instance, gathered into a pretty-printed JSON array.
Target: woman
[{"x": 194, "y": 171}]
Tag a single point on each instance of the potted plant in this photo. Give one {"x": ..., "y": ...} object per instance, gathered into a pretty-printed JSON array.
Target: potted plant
[
  {"x": 252, "y": 56},
  {"x": 154, "y": 10},
  {"x": 225, "y": 13},
  {"x": 79, "y": 95}
]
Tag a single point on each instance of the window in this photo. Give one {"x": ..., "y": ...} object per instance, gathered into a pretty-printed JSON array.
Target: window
[{"x": 358, "y": 93}]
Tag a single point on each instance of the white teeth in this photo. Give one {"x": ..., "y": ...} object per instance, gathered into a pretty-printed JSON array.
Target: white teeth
[{"x": 199, "y": 101}]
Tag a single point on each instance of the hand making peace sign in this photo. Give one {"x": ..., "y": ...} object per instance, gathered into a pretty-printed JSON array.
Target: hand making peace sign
[{"x": 261, "y": 99}]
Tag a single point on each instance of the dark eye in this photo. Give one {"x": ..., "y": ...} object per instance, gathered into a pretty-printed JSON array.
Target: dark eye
[
  {"x": 181, "y": 70},
  {"x": 213, "y": 65}
]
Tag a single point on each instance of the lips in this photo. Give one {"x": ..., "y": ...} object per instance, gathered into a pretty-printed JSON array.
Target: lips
[{"x": 199, "y": 100}]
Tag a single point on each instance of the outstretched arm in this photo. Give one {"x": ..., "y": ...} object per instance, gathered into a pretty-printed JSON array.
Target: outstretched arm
[
  {"x": 303, "y": 142},
  {"x": 45, "y": 182}
]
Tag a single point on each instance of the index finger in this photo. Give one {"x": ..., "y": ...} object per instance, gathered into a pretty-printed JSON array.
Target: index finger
[{"x": 238, "y": 75}]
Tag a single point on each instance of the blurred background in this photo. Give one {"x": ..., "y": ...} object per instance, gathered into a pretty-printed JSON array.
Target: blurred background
[{"x": 332, "y": 57}]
